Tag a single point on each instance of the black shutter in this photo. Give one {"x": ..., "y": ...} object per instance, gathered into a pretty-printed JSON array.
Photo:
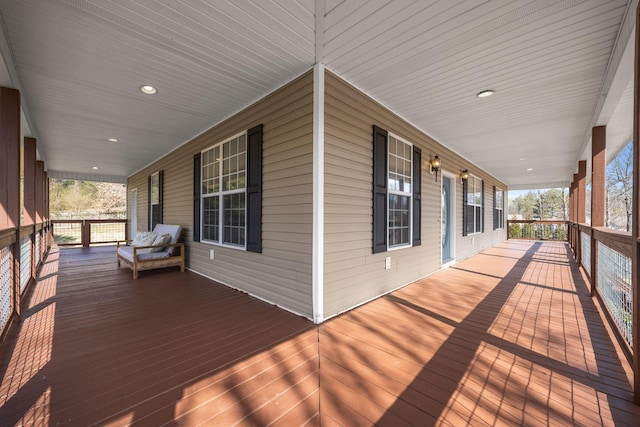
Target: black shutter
[
  {"x": 254, "y": 189},
  {"x": 160, "y": 214},
  {"x": 482, "y": 208},
  {"x": 465, "y": 207},
  {"x": 196, "y": 197},
  {"x": 495, "y": 209},
  {"x": 379, "y": 190},
  {"x": 417, "y": 195},
  {"x": 149, "y": 213}
]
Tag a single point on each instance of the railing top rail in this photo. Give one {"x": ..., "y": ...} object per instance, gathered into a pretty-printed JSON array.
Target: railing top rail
[
  {"x": 537, "y": 221},
  {"x": 75, "y": 221},
  {"x": 7, "y": 237}
]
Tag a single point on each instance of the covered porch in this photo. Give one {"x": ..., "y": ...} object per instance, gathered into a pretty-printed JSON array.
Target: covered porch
[{"x": 507, "y": 337}]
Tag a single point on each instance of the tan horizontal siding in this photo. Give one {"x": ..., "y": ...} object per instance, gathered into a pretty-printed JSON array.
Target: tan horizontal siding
[
  {"x": 282, "y": 273},
  {"x": 352, "y": 273}
]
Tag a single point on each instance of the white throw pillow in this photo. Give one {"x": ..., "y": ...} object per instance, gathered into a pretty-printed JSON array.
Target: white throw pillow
[
  {"x": 162, "y": 239},
  {"x": 144, "y": 238}
]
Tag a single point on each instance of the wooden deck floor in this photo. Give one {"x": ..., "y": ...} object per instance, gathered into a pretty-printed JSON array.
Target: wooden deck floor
[{"x": 508, "y": 337}]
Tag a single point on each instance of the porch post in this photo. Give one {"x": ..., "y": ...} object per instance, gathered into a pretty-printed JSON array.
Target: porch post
[
  {"x": 575, "y": 216},
  {"x": 572, "y": 203},
  {"x": 30, "y": 196},
  {"x": 635, "y": 224},
  {"x": 581, "y": 209},
  {"x": 10, "y": 182},
  {"x": 598, "y": 193},
  {"x": 40, "y": 205},
  {"x": 45, "y": 213},
  {"x": 582, "y": 192}
]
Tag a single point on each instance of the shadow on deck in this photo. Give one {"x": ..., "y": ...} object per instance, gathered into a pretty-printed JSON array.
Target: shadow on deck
[{"x": 509, "y": 336}]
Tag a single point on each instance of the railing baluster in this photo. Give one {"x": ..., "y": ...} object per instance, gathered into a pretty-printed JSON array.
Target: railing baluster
[
  {"x": 556, "y": 230},
  {"x": 89, "y": 231}
]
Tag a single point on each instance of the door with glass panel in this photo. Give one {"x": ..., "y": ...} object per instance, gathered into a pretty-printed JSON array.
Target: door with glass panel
[{"x": 446, "y": 220}]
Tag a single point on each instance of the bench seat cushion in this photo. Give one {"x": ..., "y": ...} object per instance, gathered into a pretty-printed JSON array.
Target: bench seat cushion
[{"x": 126, "y": 252}]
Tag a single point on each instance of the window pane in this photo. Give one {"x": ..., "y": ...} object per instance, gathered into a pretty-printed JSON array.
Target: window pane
[
  {"x": 470, "y": 220},
  {"x": 224, "y": 170},
  {"x": 234, "y": 216},
  {"x": 400, "y": 157},
  {"x": 399, "y": 161},
  {"x": 155, "y": 189},
  {"x": 210, "y": 218},
  {"x": 399, "y": 220}
]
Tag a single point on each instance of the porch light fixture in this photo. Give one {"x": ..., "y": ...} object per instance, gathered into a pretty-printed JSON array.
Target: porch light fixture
[
  {"x": 434, "y": 166},
  {"x": 148, "y": 89},
  {"x": 95, "y": 168},
  {"x": 464, "y": 175},
  {"x": 113, "y": 139},
  {"x": 485, "y": 93}
]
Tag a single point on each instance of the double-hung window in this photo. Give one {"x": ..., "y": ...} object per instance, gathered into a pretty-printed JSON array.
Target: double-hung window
[
  {"x": 155, "y": 199},
  {"x": 224, "y": 190},
  {"x": 498, "y": 208},
  {"x": 399, "y": 192},
  {"x": 473, "y": 205},
  {"x": 397, "y": 197}
]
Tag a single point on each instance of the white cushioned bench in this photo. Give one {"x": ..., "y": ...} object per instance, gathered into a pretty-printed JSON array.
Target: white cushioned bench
[{"x": 151, "y": 255}]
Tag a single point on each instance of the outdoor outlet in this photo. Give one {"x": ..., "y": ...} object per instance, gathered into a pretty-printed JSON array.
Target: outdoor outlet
[
  {"x": 387, "y": 263},
  {"x": 473, "y": 242},
  {"x": 211, "y": 254}
]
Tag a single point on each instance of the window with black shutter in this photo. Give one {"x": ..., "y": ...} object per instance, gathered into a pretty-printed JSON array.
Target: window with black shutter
[
  {"x": 498, "y": 208},
  {"x": 472, "y": 205},
  {"x": 397, "y": 195},
  {"x": 228, "y": 197}
]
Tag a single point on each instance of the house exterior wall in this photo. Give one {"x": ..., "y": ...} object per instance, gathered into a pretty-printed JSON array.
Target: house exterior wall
[
  {"x": 282, "y": 272},
  {"x": 352, "y": 273}
]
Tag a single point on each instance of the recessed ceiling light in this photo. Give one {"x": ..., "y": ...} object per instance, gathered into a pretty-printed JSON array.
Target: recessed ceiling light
[
  {"x": 485, "y": 93},
  {"x": 95, "y": 168},
  {"x": 529, "y": 170},
  {"x": 113, "y": 139},
  {"x": 523, "y": 158},
  {"x": 148, "y": 89}
]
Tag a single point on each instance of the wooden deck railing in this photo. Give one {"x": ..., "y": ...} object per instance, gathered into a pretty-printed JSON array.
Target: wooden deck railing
[
  {"x": 537, "y": 229},
  {"x": 87, "y": 232},
  {"x": 605, "y": 255},
  {"x": 22, "y": 251}
]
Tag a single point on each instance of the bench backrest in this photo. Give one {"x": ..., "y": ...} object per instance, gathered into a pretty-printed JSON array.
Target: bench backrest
[{"x": 172, "y": 230}]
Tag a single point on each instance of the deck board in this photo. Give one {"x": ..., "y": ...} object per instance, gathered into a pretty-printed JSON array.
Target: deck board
[{"x": 507, "y": 337}]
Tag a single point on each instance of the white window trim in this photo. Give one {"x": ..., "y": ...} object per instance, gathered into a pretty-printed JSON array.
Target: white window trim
[
  {"x": 220, "y": 194},
  {"x": 473, "y": 206},
  {"x": 501, "y": 208},
  {"x": 401, "y": 193}
]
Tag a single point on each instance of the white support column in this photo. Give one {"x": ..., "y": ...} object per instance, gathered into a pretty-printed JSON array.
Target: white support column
[{"x": 318, "y": 193}]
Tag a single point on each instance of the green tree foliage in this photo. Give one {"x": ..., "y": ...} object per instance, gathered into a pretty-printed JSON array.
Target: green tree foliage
[
  {"x": 550, "y": 204},
  {"x": 85, "y": 199},
  {"x": 540, "y": 204}
]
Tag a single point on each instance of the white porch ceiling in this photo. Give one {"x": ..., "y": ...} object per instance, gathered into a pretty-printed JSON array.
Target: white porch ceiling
[{"x": 552, "y": 64}]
